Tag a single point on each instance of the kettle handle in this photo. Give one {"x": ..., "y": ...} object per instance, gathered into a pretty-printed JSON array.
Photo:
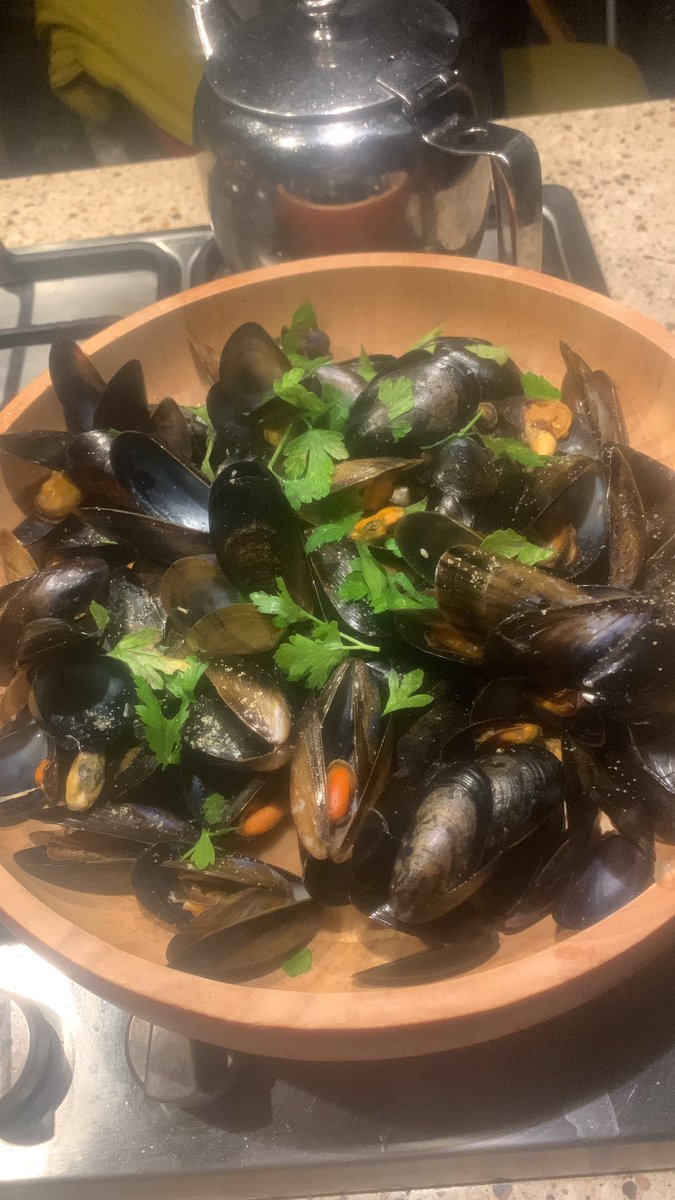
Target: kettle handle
[{"x": 516, "y": 177}]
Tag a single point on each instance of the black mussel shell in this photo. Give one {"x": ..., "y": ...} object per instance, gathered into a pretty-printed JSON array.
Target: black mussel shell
[
  {"x": 77, "y": 383},
  {"x": 88, "y": 465},
  {"x": 423, "y": 537},
  {"x": 256, "y": 535},
  {"x": 464, "y": 468},
  {"x": 656, "y": 485},
  {"x": 634, "y": 675},
  {"x": 192, "y": 588},
  {"x": 134, "y": 822},
  {"x": 124, "y": 402},
  {"x": 169, "y": 426},
  {"x": 328, "y": 882},
  {"x": 566, "y": 508},
  {"x": 605, "y": 777},
  {"x": 658, "y": 579},
  {"x": 560, "y": 647},
  {"x": 611, "y": 875},
  {"x": 243, "y": 935},
  {"x": 627, "y": 532},
  {"x": 131, "y": 606},
  {"x": 236, "y": 871},
  {"x": 523, "y": 782},
  {"x": 161, "y": 485},
  {"x": 158, "y": 541},
  {"x": 250, "y": 364},
  {"x": 84, "y": 703},
  {"x": 64, "y": 591},
  {"x": 48, "y": 636},
  {"x": 155, "y": 886},
  {"x": 444, "y": 844},
  {"x": 496, "y": 379},
  {"x": 477, "y": 590},
  {"x": 332, "y": 564},
  {"x": 444, "y": 397},
  {"x": 21, "y": 753},
  {"x": 348, "y": 382},
  {"x": 473, "y": 943},
  {"x": 46, "y": 447},
  {"x": 90, "y": 849}
]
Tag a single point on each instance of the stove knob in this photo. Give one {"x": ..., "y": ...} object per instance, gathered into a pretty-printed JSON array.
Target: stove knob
[
  {"x": 172, "y": 1069},
  {"x": 25, "y": 1055}
]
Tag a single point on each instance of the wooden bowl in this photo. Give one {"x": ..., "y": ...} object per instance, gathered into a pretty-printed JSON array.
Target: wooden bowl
[{"x": 107, "y": 942}]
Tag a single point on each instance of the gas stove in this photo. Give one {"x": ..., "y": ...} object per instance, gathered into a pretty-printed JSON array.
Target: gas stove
[{"x": 96, "y": 1102}]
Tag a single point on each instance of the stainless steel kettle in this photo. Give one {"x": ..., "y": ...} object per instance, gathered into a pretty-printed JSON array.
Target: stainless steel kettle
[{"x": 323, "y": 126}]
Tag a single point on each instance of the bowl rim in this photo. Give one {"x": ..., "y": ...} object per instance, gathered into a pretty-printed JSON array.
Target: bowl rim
[{"x": 365, "y": 1023}]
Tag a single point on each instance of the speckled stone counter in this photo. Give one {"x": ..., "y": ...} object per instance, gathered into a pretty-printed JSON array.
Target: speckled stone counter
[{"x": 619, "y": 162}]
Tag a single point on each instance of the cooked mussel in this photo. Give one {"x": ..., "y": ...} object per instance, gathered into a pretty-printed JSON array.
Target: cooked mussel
[
  {"x": 239, "y": 720},
  {"x": 77, "y": 383},
  {"x": 161, "y": 485},
  {"x": 83, "y": 703},
  {"x": 123, "y": 404},
  {"x": 340, "y": 762},
  {"x": 627, "y": 528},
  {"x": 22, "y": 751},
  {"x": 250, "y": 364},
  {"x": 158, "y": 541},
  {"x": 564, "y": 508},
  {"x": 62, "y": 591},
  {"x": 613, "y": 873}
]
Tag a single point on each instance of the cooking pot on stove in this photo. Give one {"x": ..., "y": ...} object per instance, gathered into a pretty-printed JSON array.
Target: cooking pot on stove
[{"x": 326, "y": 126}]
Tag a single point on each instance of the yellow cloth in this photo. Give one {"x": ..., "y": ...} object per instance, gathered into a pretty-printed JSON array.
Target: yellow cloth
[{"x": 145, "y": 49}]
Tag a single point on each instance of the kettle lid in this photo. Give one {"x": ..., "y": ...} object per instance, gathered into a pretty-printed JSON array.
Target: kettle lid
[{"x": 322, "y": 58}]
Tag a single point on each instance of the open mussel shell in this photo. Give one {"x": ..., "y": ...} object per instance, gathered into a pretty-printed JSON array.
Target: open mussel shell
[
  {"x": 422, "y": 538},
  {"x": 131, "y": 606},
  {"x": 77, "y": 383},
  {"x": 565, "y": 508},
  {"x": 237, "y": 435},
  {"x": 169, "y": 426},
  {"x": 612, "y": 874},
  {"x": 22, "y": 751},
  {"x": 250, "y": 364},
  {"x": 656, "y": 484},
  {"x": 605, "y": 777},
  {"x": 473, "y": 943},
  {"x": 340, "y": 762},
  {"x": 445, "y": 395},
  {"x": 477, "y": 590},
  {"x": 627, "y": 531},
  {"x": 232, "y": 631},
  {"x": 634, "y": 676},
  {"x": 158, "y": 541},
  {"x": 161, "y": 485},
  {"x": 239, "y": 720},
  {"x": 123, "y": 404},
  {"x": 371, "y": 481},
  {"x": 657, "y": 581},
  {"x": 136, "y": 823},
  {"x": 49, "y": 636},
  {"x": 91, "y": 849},
  {"x": 155, "y": 885},
  {"x": 83, "y": 703},
  {"x": 243, "y": 935},
  {"x": 88, "y": 465},
  {"x": 592, "y": 398},
  {"x": 560, "y": 647},
  {"x": 16, "y": 561},
  {"x": 237, "y": 871},
  {"x": 45, "y": 447},
  {"x": 256, "y": 535},
  {"x": 495, "y": 379},
  {"x": 63, "y": 591},
  {"x": 332, "y": 564},
  {"x": 194, "y": 587}
]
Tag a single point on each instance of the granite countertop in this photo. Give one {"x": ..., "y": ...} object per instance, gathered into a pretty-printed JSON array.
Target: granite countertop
[{"x": 619, "y": 162}]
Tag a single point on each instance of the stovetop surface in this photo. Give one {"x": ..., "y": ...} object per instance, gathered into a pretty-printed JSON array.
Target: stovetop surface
[{"x": 590, "y": 1091}]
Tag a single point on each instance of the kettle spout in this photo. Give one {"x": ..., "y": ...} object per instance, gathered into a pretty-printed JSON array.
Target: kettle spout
[{"x": 213, "y": 20}]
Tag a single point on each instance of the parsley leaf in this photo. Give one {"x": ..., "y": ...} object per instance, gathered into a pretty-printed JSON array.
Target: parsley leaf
[
  {"x": 427, "y": 341},
  {"x": 214, "y": 808},
  {"x": 513, "y": 448},
  {"x": 308, "y": 464},
  {"x": 303, "y": 319},
  {"x": 100, "y": 614},
  {"x": 299, "y": 963},
  {"x": 513, "y": 545},
  {"x": 538, "y": 388},
  {"x": 385, "y": 591},
  {"x": 291, "y": 390},
  {"x": 337, "y": 411},
  {"x": 366, "y": 369},
  {"x": 498, "y": 354},
  {"x": 332, "y": 531},
  {"x": 392, "y": 546},
  {"x": 404, "y": 691},
  {"x": 313, "y": 658},
  {"x": 282, "y": 606},
  {"x": 203, "y": 853},
  {"x": 139, "y": 651},
  {"x": 163, "y": 733},
  {"x": 397, "y": 397}
]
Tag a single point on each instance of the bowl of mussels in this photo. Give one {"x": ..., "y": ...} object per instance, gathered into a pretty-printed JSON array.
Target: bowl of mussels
[{"x": 337, "y": 625}]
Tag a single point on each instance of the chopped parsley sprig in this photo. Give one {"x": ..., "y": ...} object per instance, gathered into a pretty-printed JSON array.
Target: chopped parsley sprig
[
  {"x": 312, "y": 656},
  {"x": 404, "y": 691}
]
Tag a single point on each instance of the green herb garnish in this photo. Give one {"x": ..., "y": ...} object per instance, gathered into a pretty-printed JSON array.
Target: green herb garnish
[
  {"x": 427, "y": 341},
  {"x": 163, "y": 733},
  {"x": 385, "y": 591},
  {"x": 299, "y": 963},
  {"x": 510, "y": 544},
  {"x": 396, "y": 395},
  {"x": 309, "y": 462},
  {"x": 404, "y": 691},
  {"x": 332, "y": 531},
  {"x": 100, "y": 614},
  {"x": 366, "y": 369},
  {"x": 498, "y": 354},
  {"x": 214, "y": 808},
  {"x": 538, "y": 388},
  {"x": 139, "y": 651},
  {"x": 517, "y": 451},
  {"x": 203, "y": 853}
]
